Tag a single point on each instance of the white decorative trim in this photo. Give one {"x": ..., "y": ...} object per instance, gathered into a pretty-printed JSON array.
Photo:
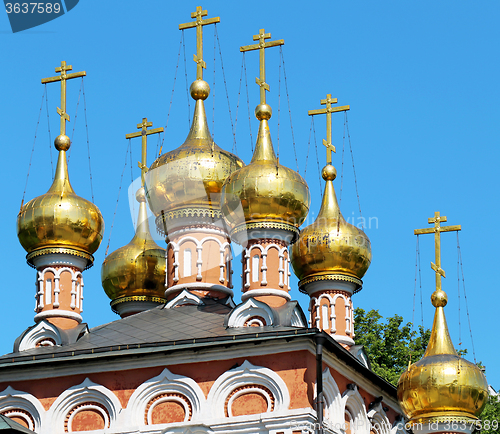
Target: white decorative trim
[
  {"x": 329, "y": 285},
  {"x": 297, "y": 319},
  {"x": 59, "y": 259},
  {"x": 353, "y": 402},
  {"x": 165, "y": 383},
  {"x": 55, "y": 313},
  {"x": 202, "y": 286},
  {"x": 132, "y": 307},
  {"x": 86, "y": 392},
  {"x": 12, "y": 400},
  {"x": 379, "y": 419},
  {"x": 185, "y": 297},
  {"x": 346, "y": 340},
  {"x": 199, "y": 230},
  {"x": 85, "y": 407},
  {"x": 247, "y": 375},
  {"x": 42, "y": 331},
  {"x": 334, "y": 407},
  {"x": 248, "y": 309},
  {"x": 251, "y": 293},
  {"x": 197, "y": 429},
  {"x": 244, "y": 391}
]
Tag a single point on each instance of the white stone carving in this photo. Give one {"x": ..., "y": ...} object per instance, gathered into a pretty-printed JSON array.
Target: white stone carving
[
  {"x": 379, "y": 420},
  {"x": 165, "y": 383},
  {"x": 15, "y": 403},
  {"x": 353, "y": 402},
  {"x": 44, "y": 331},
  {"x": 87, "y": 392},
  {"x": 183, "y": 298},
  {"x": 247, "y": 375},
  {"x": 249, "y": 309}
]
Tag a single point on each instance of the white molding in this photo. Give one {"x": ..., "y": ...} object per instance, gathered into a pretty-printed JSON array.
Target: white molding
[
  {"x": 57, "y": 313},
  {"x": 329, "y": 285},
  {"x": 185, "y": 297},
  {"x": 251, "y": 293},
  {"x": 334, "y": 406},
  {"x": 43, "y": 330},
  {"x": 202, "y": 286},
  {"x": 86, "y": 392},
  {"x": 297, "y": 320},
  {"x": 353, "y": 402},
  {"x": 59, "y": 259},
  {"x": 248, "y": 309},
  {"x": 201, "y": 230},
  {"x": 12, "y": 400},
  {"x": 165, "y": 383},
  {"x": 378, "y": 419},
  {"x": 132, "y": 307},
  {"x": 247, "y": 375},
  {"x": 346, "y": 340}
]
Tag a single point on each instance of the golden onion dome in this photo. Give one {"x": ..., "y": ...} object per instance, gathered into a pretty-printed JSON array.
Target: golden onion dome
[
  {"x": 265, "y": 194},
  {"x": 60, "y": 221},
  {"x": 331, "y": 248},
  {"x": 136, "y": 272},
  {"x": 442, "y": 387},
  {"x": 188, "y": 180}
]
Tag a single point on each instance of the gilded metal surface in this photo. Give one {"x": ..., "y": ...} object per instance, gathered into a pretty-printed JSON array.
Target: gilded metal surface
[
  {"x": 59, "y": 250},
  {"x": 62, "y": 78},
  {"x": 441, "y": 386},
  {"x": 261, "y": 46},
  {"x": 332, "y": 277},
  {"x": 143, "y": 298},
  {"x": 191, "y": 176},
  {"x": 265, "y": 191},
  {"x": 331, "y": 245},
  {"x": 60, "y": 218},
  {"x": 328, "y": 110},
  {"x": 199, "y": 23},
  {"x": 137, "y": 269}
]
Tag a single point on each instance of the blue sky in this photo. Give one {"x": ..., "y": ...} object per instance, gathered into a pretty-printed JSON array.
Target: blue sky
[{"x": 422, "y": 82}]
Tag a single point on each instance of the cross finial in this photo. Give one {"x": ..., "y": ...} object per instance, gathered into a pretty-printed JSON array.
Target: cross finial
[
  {"x": 261, "y": 46},
  {"x": 199, "y": 23},
  {"x": 143, "y": 126},
  {"x": 62, "y": 78},
  {"x": 329, "y": 110},
  {"x": 436, "y": 230}
]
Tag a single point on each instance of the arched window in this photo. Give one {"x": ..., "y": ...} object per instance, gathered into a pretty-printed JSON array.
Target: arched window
[
  {"x": 188, "y": 255},
  {"x": 255, "y": 268}
]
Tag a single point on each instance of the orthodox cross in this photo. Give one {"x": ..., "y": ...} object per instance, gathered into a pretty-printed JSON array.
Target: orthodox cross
[
  {"x": 199, "y": 23},
  {"x": 329, "y": 110},
  {"x": 261, "y": 46},
  {"x": 143, "y": 126},
  {"x": 437, "y": 229},
  {"x": 62, "y": 78}
]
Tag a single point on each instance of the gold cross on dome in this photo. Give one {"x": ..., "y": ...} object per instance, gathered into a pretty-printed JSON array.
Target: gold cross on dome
[
  {"x": 144, "y": 133},
  {"x": 436, "y": 230},
  {"x": 329, "y": 110},
  {"x": 199, "y": 23},
  {"x": 261, "y": 46},
  {"x": 62, "y": 78}
]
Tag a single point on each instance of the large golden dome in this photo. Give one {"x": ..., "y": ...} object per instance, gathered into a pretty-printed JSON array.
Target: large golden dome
[
  {"x": 188, "y": 180},
  {"x": 331, "y": 248},
  {"x": 265, "y": 194},
  {"x": 442, "y": 387},
  {"x": 136, "y": 272},
  {"x": 59, "y": 221}
]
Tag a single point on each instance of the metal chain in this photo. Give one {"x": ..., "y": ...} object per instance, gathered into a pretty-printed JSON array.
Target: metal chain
[
  {"x": 172, "y": 96},
  {"x": 248, "y": 104},
  {"x": 213, "y": 94},
  {"x": 132, "y": 180},
  {"x": 238, "y": 103},
  {"x": 118, "y": 198},
  {"x": 289, "y": 110},
  {"x": 186, "y": 75},
  {"x": 458, "y": 287},
  {"x": 420, "y": 285},
  {"x": 235, "y": 147},
  {"x": 48, "y": 125},
  {"x": 354, "y": 171},
  {"x": 465, "y": 297},
  {"x": 308, "y": 145},
  {"x": 74, "y": 119},
  {"x": 342, "y": 169},
  {"x": 317, "y": 156},
  {"x": 33, "y": 147},
  {"x": 279, "y": 104},
  {"x": 88, "y": 143}
]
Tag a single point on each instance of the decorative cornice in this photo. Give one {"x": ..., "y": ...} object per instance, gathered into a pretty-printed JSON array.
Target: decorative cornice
[
  {"x": 245, "y": 227},
  {"x": 332, "y": 277},
  {"x": 59, "y": 250},
  {"x": 145, "y": 298}
]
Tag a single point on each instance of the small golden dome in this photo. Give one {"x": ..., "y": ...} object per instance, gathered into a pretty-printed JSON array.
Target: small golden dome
[
  {"x": 188, "y": 180},
  {"x": 265, "y": 194},
  {"x": 442, "y": 387},
  {"x": 331, "y": 248},
  {"x": 136, "y": 272},
  {"x": 59, "y": 221}
]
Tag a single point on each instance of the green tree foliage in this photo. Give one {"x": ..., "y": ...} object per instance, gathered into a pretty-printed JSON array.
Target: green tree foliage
[
  {"x": 490, "y": 417},
  {"x": 389, "y": 344}
]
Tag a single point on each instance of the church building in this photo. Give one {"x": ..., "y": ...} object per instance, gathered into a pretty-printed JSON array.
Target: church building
[{"x": 183, "y": 357}]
